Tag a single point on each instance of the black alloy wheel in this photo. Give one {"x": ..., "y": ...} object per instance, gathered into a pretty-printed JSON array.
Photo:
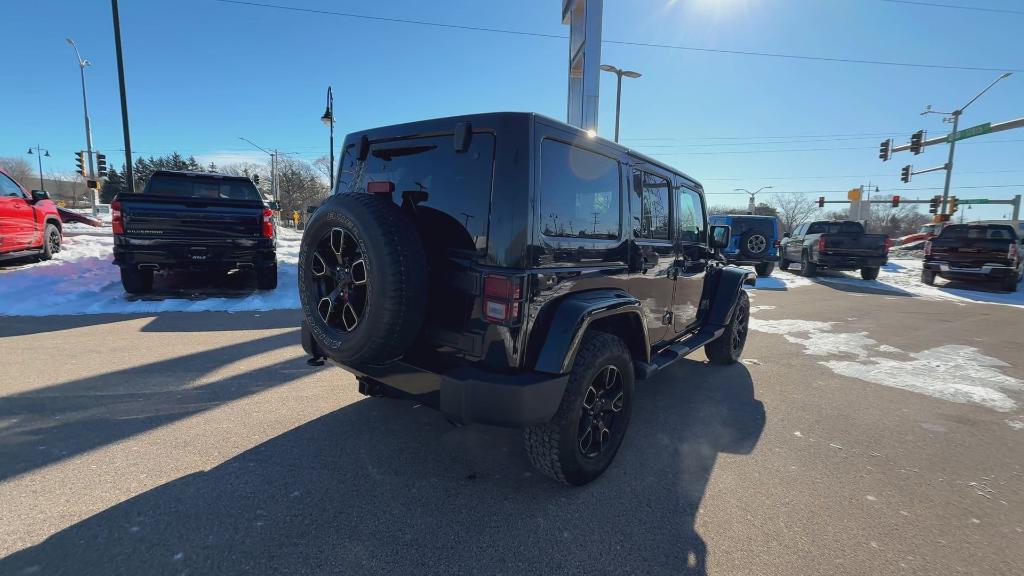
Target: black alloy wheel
[
  {"x": 54, "y": 240},
  {"x": 599, "y": 422},
  {"x": 340, "y": 274}
]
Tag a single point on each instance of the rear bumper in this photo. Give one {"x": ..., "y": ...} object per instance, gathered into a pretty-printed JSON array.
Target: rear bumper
[
  {"x": 740, "y": 259},
  {"x": 951, "y": 271},
  {"x": 842, "y": 262},
  {"x": 470, "y": 395},
  {"x": 199, "y": 255}
]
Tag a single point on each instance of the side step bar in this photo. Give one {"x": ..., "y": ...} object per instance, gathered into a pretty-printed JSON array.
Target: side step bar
[{"x": 678, "y": 350}]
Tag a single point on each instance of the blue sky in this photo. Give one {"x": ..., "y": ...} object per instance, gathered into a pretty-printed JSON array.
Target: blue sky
[{"x": 201, "y": 73}]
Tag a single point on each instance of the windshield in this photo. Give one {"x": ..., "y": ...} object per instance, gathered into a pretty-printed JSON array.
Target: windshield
[{"x": 202, "y": 187}]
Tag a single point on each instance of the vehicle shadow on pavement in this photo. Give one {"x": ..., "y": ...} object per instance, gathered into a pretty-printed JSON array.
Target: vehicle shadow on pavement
[
  {"x": 386, "y": 487},
  {"x": 844, "y": 283},
  {"x": 190, "y": 285},
  {"x": 57, "y": 422},
  {"x": 11, "y": 326}
]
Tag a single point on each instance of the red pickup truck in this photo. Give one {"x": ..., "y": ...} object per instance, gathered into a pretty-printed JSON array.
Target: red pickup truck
[{"x": 29, "y": 222}]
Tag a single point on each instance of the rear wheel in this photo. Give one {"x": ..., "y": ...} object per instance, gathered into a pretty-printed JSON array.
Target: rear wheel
[
  {"x": 728, "y": 348},
  {"x": 869, "y": 272},
  {"x": 764, "y": 269},
  {"x": 928, "y": 277},
  {"x": 585, "y": 434},
  {"x": 136, "y": 281},
  {"x": 783, "y": 263},
  {"x": 266, "y": 278},
  {"x": 807, "y": 268},
  {"x": 1010, "y": 283}
]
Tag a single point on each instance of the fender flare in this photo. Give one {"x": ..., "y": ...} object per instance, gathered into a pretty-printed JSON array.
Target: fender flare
[
  {"x": 572, "y": 318},
  {"x": 731, "y": 280}
]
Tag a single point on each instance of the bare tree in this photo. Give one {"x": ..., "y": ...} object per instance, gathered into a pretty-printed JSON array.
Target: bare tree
[
  {"x": 19, "y": 168},
  {"x": 793, "y": 209},
  {"x": 299, "y": 185}
]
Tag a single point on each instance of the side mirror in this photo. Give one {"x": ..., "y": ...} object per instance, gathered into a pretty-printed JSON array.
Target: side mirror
[
  {"x": 720, "y": 236},
  {"x": 311, "y": 209},
  {"x": 785, "y": 235},
  {"x": 38, "y": 195},
  {"x": 274, "y": 205}
]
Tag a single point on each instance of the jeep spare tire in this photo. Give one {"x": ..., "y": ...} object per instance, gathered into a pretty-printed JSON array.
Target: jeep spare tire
[
  {"x": 362, "y": 279},
  {"x": 753, "y": 244}
]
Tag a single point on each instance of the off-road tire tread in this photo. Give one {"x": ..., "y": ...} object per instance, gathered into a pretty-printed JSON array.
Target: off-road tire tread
[{"x": 542, "y": 440}]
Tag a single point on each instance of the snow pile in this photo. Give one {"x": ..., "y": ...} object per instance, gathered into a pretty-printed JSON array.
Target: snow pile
[
  {"x": 954, "y": 373},
  {"x": 81, "y": 279}
]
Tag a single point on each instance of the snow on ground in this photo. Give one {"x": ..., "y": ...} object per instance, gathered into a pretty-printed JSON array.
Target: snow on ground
[
  {"x": 901, "y": 276},
  {"x": 82, "y": 280},
  {"x": 952, "y": 372}
]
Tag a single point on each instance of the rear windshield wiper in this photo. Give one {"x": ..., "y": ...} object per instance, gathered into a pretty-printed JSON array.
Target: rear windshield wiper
[{"x": 387, "y": 154}]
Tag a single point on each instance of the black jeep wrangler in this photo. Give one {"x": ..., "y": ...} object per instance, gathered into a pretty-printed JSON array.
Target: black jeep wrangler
[{"x": 512, "y": 270}]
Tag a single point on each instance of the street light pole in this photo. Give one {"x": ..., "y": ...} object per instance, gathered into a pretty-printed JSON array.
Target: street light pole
[
  {"x": 955, "y": 114},
  {"x": 39, "y": 152},
  {"x": 273, "y": 165},
  {"x": 328, "y": 119},
  {"x": 750, "y": 206},
  {"x": 82, "y": 63},
  {"x": 619, "y": 73}
]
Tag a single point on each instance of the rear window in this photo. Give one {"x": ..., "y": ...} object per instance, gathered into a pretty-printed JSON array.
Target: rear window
[
  {"x": 740, "y": 226},
  {"x": 202, "y": 187},
  {"x": 449, "y": 186},
  {"x": 979, "y": 232},
  {"x": 836, "y": 228}
]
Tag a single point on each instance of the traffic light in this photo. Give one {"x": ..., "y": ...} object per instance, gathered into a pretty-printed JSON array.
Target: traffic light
[
  {"x": 895, "y": 201},
  {"x": 917, "y": 142},
  {"x": 933, "y": 206},
  {"x": 80, "y": 162},
  {"x": 821, "y": 201},
  {"x": 906, "y": 172},
  {"x": 256, "y": 179},
  {"x": 952, "y": 205},
  {"x": 101, "y": 165},
  {"x": 885, "y": 149}
]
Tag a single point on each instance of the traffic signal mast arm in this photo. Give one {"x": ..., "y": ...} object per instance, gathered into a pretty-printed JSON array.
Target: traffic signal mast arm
[{"x": 944, "y": 139}]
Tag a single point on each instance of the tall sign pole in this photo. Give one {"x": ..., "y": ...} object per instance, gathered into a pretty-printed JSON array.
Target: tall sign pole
[
  {"x": 128, "y": 171},
  {"x": 584, "y": 20}
]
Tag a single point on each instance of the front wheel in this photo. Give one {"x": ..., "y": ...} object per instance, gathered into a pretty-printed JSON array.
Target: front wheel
[
  {"x": 728, "y": 347},
  {"x": 51, "y": 242},
  {"x": 869, "y": 272},
  {"x": 579, "y": 443},
  {"x": 764, "y": 269}
]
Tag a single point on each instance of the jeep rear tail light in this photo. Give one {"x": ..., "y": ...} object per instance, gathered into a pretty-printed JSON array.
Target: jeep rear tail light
[
  {"x": 777, "y": 244},
  {"x": 116, "y": 220},
  {"x": 821, "y": 243},
  {"x": 268, "y": 223},
  {"x": 928, "y": 248},
  {"x": 501, "y": 298}
]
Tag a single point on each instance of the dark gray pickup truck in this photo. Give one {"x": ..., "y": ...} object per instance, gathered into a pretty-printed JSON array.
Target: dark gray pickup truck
[
  {"x": 974, "y": 252},
  {"x": 835, "y": 245},
  {"x": 193, "y": 221}
]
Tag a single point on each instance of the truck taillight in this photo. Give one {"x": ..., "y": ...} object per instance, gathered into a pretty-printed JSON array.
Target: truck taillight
[
  {"x": 888, "y": 244},
  {"x": 501, "y": 298},
  {"x": 928, "y": 248},
  {"x": 821, "y": 243},
  {"x": 116, "y": 220},
  {"x": 268, "y": 223},
  {"x": 1012, "y": 254}
]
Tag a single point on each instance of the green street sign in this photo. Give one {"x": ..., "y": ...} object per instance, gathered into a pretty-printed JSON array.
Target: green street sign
[
  {"x": 970, "y": 132},
  {"x": 974, "y": 201}
]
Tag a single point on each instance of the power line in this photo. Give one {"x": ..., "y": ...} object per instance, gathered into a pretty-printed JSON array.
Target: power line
[
  {"x": 860, "y": 134},
  {"x": 956, "y": 6},
  {"x": 717, "y": 152},
  {"x": 894, "y": 190},
  {"x": 616, "y": 42},
  {"x": 840, "y": 176}
]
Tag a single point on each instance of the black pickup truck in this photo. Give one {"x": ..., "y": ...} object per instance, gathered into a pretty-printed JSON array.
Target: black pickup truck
[
  {"x": 193, "y": 221},
  {"x": 836, "y": 245},
  {"x": 974, "y": 252}
]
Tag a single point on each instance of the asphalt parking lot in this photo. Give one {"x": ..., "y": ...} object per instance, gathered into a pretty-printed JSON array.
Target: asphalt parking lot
[{"x": 202, "y": 443}]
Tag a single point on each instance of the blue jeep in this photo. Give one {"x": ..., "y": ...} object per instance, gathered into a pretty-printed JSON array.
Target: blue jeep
[{"x": 755, "y": 241}]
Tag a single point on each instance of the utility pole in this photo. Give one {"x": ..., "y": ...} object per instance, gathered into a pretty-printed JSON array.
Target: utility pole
[
  {"x": 273, "y": 165},
  {"x": 82, "y": 63},
  {"x": 129, "y": 172}
]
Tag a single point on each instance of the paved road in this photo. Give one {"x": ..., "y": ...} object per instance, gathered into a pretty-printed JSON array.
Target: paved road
[{"x": 203, "y": 444}]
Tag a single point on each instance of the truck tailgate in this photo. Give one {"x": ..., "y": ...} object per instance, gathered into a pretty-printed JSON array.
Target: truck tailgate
[
  {"x": 855, "y": 244},
  {"x": 156, "y": 217},
  {"x": 971, "y": 251}
]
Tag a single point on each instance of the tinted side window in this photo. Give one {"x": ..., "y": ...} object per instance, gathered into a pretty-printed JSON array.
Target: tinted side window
[
  {"x": 689, "y": 216},
  {"x": 8, "y": 187},
  {"x": 816, "y": 228},
  {"x": 579, "y": 192},
  {"x": 652, "y": 192}
]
